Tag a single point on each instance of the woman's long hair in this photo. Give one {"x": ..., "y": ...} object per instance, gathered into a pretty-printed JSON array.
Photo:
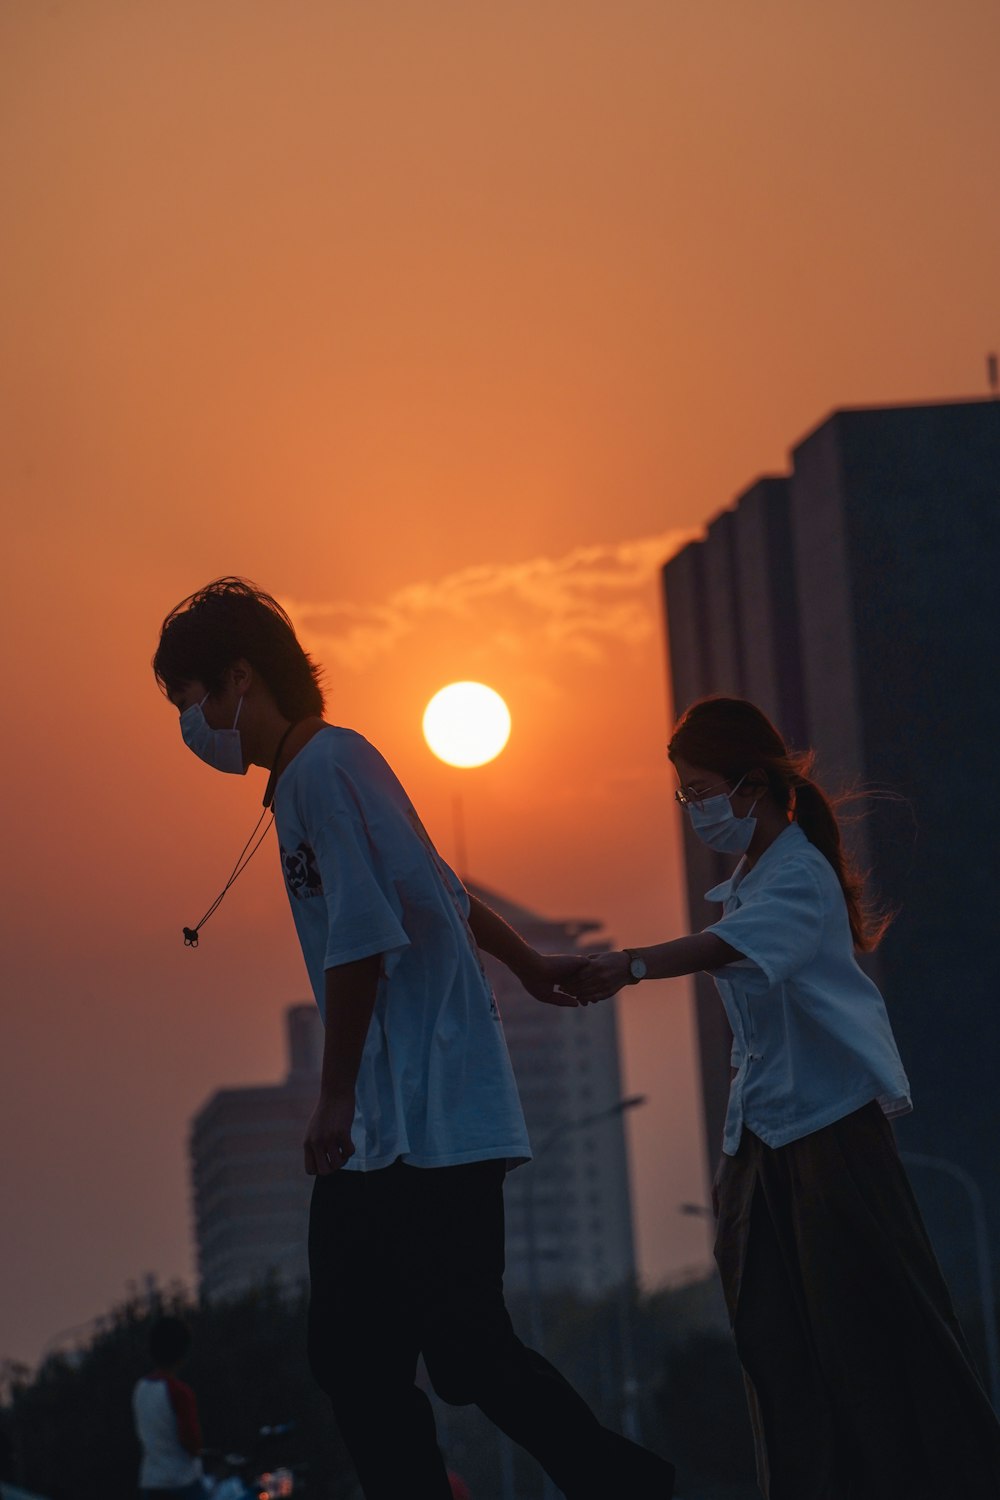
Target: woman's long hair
[{"x": 733, "y": 738}]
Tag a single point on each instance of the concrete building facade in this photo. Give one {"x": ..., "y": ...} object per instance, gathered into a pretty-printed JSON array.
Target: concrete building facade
[
  {"x": 856, "y": 601},
  {"x": 572, "y": 1201}
]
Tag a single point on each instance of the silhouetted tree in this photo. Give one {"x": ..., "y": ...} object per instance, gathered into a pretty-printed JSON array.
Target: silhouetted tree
[{"x": 72, "y": 1425}]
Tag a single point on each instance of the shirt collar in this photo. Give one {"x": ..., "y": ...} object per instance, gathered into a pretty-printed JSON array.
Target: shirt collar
[{"x": 786, "y": 843}]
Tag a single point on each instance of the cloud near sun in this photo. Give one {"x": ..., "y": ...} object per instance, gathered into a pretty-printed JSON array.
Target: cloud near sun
[{"x": 582, "y": 602}]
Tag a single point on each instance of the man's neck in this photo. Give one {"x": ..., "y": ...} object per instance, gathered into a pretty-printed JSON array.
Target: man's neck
[{"x": 292, "y": 740}]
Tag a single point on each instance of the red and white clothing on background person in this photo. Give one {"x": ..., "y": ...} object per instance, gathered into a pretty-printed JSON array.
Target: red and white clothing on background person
[{"x": 166, "y": 1423}]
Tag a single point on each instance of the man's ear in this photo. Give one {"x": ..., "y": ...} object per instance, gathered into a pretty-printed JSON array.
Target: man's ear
[{"x": 242, "y": 676}]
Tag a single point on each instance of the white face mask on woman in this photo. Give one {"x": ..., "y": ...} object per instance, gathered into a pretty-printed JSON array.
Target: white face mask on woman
[
  {"x": 715, "y": 823},
  {"x": 219, "y": 748}
]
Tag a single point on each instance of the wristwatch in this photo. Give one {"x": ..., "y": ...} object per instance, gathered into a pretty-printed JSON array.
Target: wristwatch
[{"x": 636, "y": 966}]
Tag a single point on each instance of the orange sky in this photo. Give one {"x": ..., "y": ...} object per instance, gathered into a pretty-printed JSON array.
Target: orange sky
[{"x": 446, "y": 322}]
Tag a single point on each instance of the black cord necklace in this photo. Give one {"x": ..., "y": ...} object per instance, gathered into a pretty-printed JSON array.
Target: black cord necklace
[
  {"x": 191, "y": 933},
  {"x": 272, "y": 780}
]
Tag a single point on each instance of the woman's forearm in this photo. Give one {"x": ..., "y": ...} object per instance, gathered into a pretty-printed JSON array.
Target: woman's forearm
[{"x": 686, "y": 955}]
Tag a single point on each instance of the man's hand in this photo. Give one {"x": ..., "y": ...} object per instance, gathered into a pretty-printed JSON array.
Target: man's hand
[
  {"x": 603, "y": 977},
  {"x": 351, "y": 991},
  {"x": 547, "y": 976},
  {"x": 328, "y": 1141},
  {"x": 550, "y": 977}
]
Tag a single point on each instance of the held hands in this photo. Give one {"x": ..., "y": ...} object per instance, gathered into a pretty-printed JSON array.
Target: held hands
[
  {"x": 603, "y": 975},
  {"x": 570, "y": 979},
  {"x": 328, "y": 1143}
]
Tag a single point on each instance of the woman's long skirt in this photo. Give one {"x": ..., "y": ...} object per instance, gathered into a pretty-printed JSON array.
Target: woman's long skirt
[{"x": 859, "y": 1380}]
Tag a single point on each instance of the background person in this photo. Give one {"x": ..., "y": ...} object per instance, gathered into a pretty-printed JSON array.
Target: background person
[{"x": 166, "y": 1419}]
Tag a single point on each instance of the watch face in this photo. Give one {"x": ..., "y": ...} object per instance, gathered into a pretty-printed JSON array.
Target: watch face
[{"x": 637, "y": 968}]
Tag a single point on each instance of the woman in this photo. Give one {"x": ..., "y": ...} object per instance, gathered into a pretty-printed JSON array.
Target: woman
[{"x": 859, "y": 1381}]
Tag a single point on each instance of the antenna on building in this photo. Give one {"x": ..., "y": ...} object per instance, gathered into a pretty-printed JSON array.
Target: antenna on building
[
  {"x": 993, "y": 374},
  {"x": 461, "y": 855}
]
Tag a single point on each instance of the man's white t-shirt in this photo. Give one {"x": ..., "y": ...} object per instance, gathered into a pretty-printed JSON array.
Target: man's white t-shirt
[{"x": 436, "y": 1087}]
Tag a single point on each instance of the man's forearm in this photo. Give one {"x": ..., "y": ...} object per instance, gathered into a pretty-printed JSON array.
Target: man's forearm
[
  {"x": 351, "y": 990},
  {"x": 498, "y": 938}
]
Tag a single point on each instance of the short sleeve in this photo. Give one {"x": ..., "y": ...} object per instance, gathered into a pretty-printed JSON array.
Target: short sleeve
[
  {"x": 462, "y": 898},
  {"x": 362, "y": 918},
  {"x": 780, "y": 925}
]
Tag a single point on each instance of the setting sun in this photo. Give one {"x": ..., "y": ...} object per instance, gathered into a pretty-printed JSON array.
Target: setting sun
[{"x": 466, "y": 724}]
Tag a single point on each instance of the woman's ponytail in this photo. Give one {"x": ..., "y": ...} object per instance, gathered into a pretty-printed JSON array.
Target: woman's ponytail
[{"x": 816, "y": 816}]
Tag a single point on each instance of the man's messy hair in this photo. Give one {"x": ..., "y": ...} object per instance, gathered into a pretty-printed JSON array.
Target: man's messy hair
[{"x": 232, "y": 619}]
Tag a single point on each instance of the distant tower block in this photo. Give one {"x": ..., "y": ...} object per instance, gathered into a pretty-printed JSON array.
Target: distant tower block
[
  {"x": 566, "y": 1063},
  {"x": 305, "y": 1041},
  {"x": 855, "y": 600},
  {"x": 251, "y": 1194}
]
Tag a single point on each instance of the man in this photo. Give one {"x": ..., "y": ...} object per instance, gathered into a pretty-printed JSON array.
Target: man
[{"x": 418, "y": 1118}]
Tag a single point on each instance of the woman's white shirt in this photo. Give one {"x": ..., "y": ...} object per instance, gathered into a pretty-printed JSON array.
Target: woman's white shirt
[{"x": 811, "y": 1036}]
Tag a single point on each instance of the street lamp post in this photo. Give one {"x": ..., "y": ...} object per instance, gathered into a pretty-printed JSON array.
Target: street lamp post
[{"x": 987, "y": 1295}]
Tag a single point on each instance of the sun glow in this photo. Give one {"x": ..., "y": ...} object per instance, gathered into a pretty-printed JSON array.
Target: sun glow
[{"x": 466, "y": 724}]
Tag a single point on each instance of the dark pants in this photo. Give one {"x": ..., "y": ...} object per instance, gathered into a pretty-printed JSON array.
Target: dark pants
[
  {"x": 407, "y": 1261},
  {"x": 858, "y": 1378}
]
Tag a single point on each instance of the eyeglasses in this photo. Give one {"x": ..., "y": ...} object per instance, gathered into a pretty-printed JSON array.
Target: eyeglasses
[{"x": 686, "y": 796}]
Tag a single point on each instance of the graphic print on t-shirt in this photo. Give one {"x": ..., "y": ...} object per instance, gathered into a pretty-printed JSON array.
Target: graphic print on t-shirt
[{"x": 301, "y": 872}]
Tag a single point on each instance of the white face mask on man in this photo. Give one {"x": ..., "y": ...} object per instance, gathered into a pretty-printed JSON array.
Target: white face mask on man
[
  {"x": 220, "y": 748},
  {"x": 715, "y": 823}
]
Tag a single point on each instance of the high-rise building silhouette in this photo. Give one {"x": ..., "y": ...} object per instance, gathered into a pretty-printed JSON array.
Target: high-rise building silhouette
[
  {"x": 251, "y": 1193},
  {"x": 856, "y": 601},
  {"x": 572, "y": 1202},
  {"x": 569, "y": 1209}
]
